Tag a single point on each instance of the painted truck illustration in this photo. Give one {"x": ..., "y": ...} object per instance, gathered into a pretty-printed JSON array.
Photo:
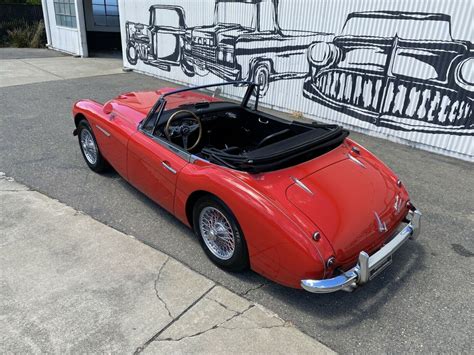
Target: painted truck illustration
[
  {"x": 400, "y": 70},
  {"x": 245, "y": 42}
]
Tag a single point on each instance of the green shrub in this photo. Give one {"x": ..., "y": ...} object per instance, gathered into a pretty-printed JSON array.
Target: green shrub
[
  {"x": 27, "y": 35},
  {"x": 39, "y": 36}
]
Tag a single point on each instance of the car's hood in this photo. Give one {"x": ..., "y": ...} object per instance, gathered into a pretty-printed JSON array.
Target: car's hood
[
  {"x": 136, "y": 105},
  {"x": 356, "y": 202},
  {"x": 429, "y": 60},
  {"x": 220, "y": 33}
]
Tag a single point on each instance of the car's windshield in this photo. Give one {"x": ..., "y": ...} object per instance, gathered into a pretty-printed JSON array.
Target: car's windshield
[
  {"x": 236, "y": 13},
  {"x": 200, "y": 98},
  {"x": 411, "y": 29},
  {"x": 204, "y": 95}
]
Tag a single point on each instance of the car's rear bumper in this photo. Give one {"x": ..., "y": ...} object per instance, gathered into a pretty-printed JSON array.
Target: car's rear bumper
[{"x": 368, "y": 266}]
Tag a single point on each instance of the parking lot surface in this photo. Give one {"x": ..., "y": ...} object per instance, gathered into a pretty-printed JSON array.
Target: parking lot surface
[{"x": 422, "y": 302}]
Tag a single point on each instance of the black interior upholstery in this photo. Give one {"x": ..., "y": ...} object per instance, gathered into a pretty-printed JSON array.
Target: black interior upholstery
[
  {"x": 242, "y": 138},
  {"x": 228, "y": 125}
]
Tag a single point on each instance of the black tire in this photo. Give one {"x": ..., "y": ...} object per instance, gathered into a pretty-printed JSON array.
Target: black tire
[
  {"x": 132, "y": 53},
  {"x": 240, "y": 259},
  {"x": 100, "y": 164},
  {"x": 261, "y": 75}
]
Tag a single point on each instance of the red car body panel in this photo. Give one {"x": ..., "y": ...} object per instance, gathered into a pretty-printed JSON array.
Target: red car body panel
[{"x": 277, "y": 218}]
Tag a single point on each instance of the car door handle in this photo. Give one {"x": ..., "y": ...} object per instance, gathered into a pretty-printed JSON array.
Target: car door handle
[{"x": 168, "y": 167}]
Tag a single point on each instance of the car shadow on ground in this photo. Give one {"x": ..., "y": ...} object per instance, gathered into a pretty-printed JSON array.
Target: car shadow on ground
[
  {"x": 340, "y": 310},
  {"x": 247, "y": 280}
]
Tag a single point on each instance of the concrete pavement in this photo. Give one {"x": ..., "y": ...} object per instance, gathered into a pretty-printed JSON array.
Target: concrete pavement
[
  {"x": 421, "y": 303},
  {"x": 72, "y": 284},
  {"x": 20, "y": 67}
]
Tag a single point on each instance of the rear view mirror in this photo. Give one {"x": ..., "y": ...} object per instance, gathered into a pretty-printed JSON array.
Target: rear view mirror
[{"x": 217, "y": 92}]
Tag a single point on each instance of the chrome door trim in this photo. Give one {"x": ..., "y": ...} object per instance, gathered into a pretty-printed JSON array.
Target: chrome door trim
[
  {"x": 168, "y": 167},
  {"x": 102, "y": 130}
]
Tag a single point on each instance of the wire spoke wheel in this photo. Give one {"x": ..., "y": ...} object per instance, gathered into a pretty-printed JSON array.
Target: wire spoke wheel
[
  {"x": 89, "y": 146},
  {"x": 217, "y": 233}
]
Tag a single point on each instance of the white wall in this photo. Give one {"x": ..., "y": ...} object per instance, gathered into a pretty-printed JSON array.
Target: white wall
[
  {"x": 329, "y": 16},
  {"x": 66, "y": 39}
]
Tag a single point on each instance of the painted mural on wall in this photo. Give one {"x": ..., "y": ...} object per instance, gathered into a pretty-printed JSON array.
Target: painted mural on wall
[
  {"x": 252, "y": 47},
  {"x": 410, "y": 82},
  {"x": 400, "y": 71}
]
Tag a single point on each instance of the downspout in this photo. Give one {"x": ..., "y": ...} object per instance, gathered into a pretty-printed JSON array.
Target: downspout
[{"x": 44, "y": 5}]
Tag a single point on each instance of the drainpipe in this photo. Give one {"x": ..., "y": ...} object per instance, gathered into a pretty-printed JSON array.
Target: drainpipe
[{"x": 44, "y": 5}]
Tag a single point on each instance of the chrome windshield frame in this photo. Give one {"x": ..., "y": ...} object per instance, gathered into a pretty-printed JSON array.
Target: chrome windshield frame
[{"x": 159, "y": 107}]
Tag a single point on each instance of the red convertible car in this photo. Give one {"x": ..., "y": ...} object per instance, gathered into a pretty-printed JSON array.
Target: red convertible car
[{"x": 299, "y": 203}]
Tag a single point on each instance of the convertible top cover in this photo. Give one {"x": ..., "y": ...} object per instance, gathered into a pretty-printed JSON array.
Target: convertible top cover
[{"x": 319, "y": 139}]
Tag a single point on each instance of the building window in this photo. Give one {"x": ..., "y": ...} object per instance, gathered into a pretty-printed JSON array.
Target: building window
[
  {"x": 65, "y": 11},
  {"x": 105, "y": 13}
]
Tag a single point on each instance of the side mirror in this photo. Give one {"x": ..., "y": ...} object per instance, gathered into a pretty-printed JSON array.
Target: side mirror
[
  {"x": 108, "y": 108},
  {"x": 217, "y": 92}
]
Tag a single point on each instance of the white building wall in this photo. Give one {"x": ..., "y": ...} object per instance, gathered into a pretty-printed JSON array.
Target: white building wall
[
  {"x": 66, "y": 39},
  {"x": 441, "y": 122}
]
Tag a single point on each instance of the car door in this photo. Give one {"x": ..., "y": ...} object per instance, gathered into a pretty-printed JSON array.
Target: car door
[
  {"x": 167, "y": 29},
  {"x": 112, "y": 133},
  {"x": 154, "y": 166}
]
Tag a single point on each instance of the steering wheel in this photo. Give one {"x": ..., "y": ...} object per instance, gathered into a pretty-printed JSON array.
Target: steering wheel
[{"x": 188, "y": 125}]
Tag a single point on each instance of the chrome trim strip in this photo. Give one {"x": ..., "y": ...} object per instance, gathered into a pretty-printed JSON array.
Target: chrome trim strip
[
  {"x": 367, "y": 266},
  {"x": 382, "y": 225},
  {"x": 303, "y": 186},
  {"x": 355, "y": 160},
  {"x": 103, "y": 130},
  {"x": 167, "y": 167}
]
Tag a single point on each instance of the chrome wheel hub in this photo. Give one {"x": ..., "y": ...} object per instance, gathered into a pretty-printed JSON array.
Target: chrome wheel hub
[
  {"x": 217, "y": 233},
  {"x": 88, "y": 146}
]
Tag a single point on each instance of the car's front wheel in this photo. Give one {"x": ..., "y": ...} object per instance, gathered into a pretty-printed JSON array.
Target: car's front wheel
[
  {"x": 220, "y": 234},
  {"x": 89, "y": 148},
  {"x": 132, "y": 53}
]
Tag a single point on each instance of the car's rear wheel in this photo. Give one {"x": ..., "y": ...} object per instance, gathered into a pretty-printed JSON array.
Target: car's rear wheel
[
  {"x": 220, "y": 234},
  {"x": 89, "y": 148}
]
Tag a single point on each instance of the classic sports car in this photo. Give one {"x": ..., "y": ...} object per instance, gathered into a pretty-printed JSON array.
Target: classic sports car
[
  {"x": 400, "y": 70},
  {"x": 298, "y": 203}
]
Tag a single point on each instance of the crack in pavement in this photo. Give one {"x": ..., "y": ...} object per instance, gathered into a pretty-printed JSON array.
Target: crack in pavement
[
  {"x": 222, "y": 304},
  {"x": 251, "y": 289},
  {"x": 235, "y": 315},
  {"x": 156, "y": 287},
  {"x": 174, "y": 320}
]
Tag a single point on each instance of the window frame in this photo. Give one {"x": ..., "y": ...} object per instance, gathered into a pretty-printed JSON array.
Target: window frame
[{"x": 65, "y": 13}]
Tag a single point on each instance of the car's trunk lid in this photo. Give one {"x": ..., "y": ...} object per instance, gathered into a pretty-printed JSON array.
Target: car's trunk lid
[{"x": 354, "y": 203}]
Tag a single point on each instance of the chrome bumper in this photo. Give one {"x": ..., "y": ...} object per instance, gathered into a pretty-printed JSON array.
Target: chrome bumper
[{"x": 368, "y": 266}]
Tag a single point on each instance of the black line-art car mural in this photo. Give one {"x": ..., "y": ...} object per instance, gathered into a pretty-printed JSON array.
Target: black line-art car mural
[
  {"x": 400, "y": 70},
  {"x": 245, "y": 42}
]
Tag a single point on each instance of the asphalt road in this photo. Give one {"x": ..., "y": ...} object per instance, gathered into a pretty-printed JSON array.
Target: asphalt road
[{"x": 423, "y": 302}]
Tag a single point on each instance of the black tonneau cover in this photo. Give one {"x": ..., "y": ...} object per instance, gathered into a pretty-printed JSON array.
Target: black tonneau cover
[{"x": 307, "y": 145}]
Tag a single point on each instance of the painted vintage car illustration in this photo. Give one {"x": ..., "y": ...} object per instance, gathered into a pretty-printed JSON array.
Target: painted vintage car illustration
[
  {"x": 330, "y": 214},
  {"x": 400, "y": 70},
  {"x": 245, "y": 42}
]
